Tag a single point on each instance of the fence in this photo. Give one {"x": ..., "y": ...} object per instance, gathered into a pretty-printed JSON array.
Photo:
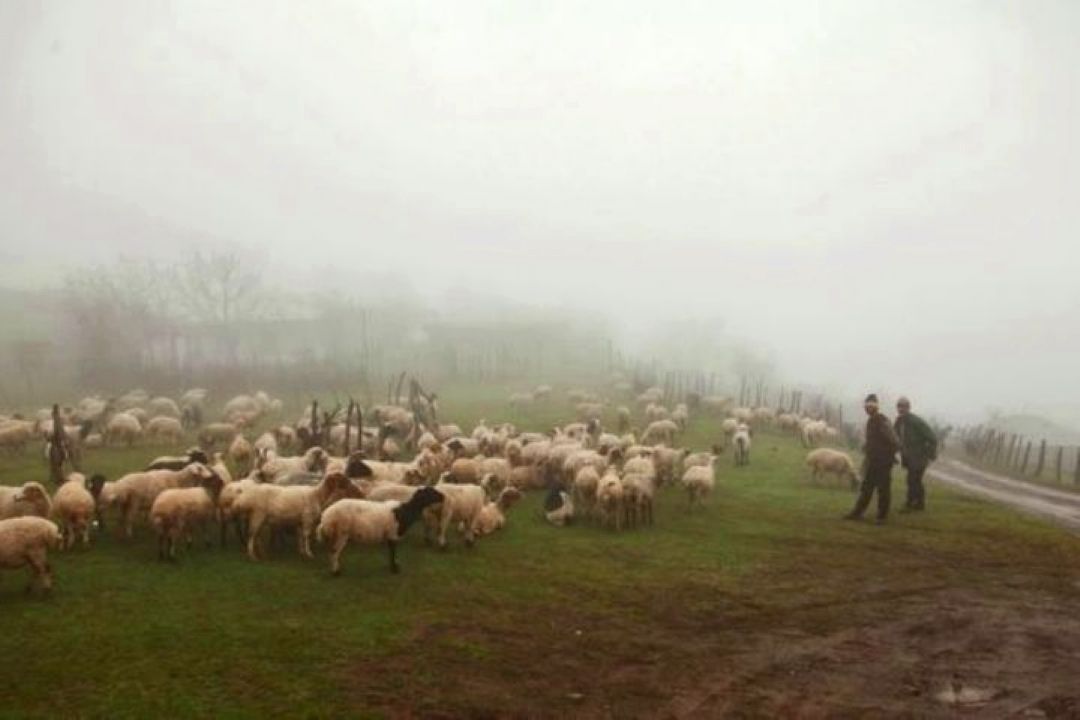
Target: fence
[{"x": 1021, "y": 456}]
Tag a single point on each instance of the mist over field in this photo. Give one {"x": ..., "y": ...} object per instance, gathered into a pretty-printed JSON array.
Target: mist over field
[{"x": 864, "y": 196}]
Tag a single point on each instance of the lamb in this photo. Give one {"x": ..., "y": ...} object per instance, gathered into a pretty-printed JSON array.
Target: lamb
[
  {"x": 26, "y": 541},
  {"x": 29, "y": 499},
  {"x": 241, "y": 453},
  {"x": 461, "y": 504},
  {"x": 175, "y": 510},
  {"x": 699, "y": 481},
  {"x": 660, "y": 431},
  {"x": 137, "y": 491},
  {"x": 75, "y": 505},
  {"x": 165, "y": 429},
  {"x": 609, "y": 500},
  {"x": 741, "y": 441},
  {"x": 123, "y": 427},
  {"x": 826, "y": 461},
  {"x": 371, "y": 522},
  {"x": 492, "y": 516},
  {"x": 295, "y": 505}
]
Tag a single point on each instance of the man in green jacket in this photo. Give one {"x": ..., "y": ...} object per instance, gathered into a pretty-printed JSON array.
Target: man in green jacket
[{"x": 918, "y": 448}]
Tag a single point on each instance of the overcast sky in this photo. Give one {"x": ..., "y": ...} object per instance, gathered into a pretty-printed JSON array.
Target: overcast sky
[{"x": 882, "y": 195}]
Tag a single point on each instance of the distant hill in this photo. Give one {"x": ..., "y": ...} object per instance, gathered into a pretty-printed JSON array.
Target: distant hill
[{"x": 1037, "y": 428}]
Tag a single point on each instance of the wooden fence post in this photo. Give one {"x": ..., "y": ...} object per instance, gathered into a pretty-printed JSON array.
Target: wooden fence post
[
  {"x": 1042, "y": 459},
  {"x": 1076, "y": 473},
  {"x": 1060, "y": 458},
  {"x": 1027, "y": 455}
]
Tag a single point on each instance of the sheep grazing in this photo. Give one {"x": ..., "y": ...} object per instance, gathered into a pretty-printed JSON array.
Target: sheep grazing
[
  {"x": 699, "y": 481},
  {"x": 15, "y": 434},
  {"x": 492, "y": 516},
  {"x": 461, "y": 504},
  {"x": 622, "y": 413},
  {"x": 826, "y": 461},
  {"x": 372, "y": 522},
  {"x": 660, "y": 432},
  {"x": 741, "y": 442},
  {"x": 163, "y": 407},
  {"x": 28, "y": 499},
  {"x": 681, "y": 415},
  {"x": 26, "y": 541},
  {"x": 136, "y": 492},
  {"x": 286, "y": 437},
  {"x": 164, "y": 429},
  {"x": 168, "y": 462},
  {"x": 123, "y": 427},
  {"x": 520, "y": 401},
  {"x": 585, "y": 483},
  {"x": 219, "y": 432},
  {"x": 176, "y": 510},
  {"x": 609, "y": 500},
  {"x": 75, "y": 505},
  {"x": 296, "y": 506},
  {"x": 667, "y": 462},
  {"x": 655, "y": 412}
]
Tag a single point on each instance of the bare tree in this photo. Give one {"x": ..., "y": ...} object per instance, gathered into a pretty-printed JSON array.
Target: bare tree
[{"x": 220, "y": 286}]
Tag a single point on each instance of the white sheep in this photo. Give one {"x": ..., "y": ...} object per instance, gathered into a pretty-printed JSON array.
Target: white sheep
[
  {"x": 660, "y": 431},
  {"x": 15, "y": 434},
  {"x": 123, "y": 427},
  {"x": 681, "y": 415},
  {"x": 492, "y": 516},
  {"x": 135, "y": 492},
  {"x": 30, "y": 498},
  {"x": 585, "y": 483},
  {"x": 26, "y": 541},
  {"x": 277, "y": 469},
  {"x": 741, "y": 441},
  {"x": 699, "y": 481},
  {"x": 164, "y": 429},
  {"x": 242, "y": 454},
  {"x": 609, "y": 500},
  {"x": 213, "y": 433},
  {"x": 826, "y": 461},
  {"x": 639, "y": 492},
  {"x": 461, "y": 505},
  {"x": 176, "y": 510},
  {"x": 74, "y": 507},
  {"x": 163, "y": 406},
  {"x": 372, "y": 522},
  {"x": 296, "y": 506}
]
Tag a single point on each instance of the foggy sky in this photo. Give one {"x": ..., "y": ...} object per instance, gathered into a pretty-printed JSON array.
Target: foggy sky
[{"x": 882, "y": 196}]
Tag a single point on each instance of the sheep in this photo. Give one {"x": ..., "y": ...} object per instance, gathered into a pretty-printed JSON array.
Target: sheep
[
  {"x": 716, "y": 404},
  {"x": 542, "y": 392},
  {"x": 30, "y": 498},
  {"x": 194, "y": 397},
  {"x": 276, "y": 469},
  {"x": 139, "y": 414},
  {"x": 242, "y": 407},
  {"x": 811, "y": 431},
  {"x": 371, "y": 522},
  {"x": 787, "y": 421},
  {"x": 764, "y": 416},
  {"x": 175, "y": 510},
  {"x": 132, "y": 399},
  {"x": 743, "y": 414},
  {"x": 589, "y": 411},
  {"x": 667, "y": 463},
  {"x": 123, "y": 427},
  {"x": 702, "y": 458},
  {"x": 163, "y": 406},
  {"x": 492, "y": 516},
  {"x": 463, "y": 470},
  {"x": 137, "y": 491},
  {"x": 520, "y": 401},
  {"x": 585, "y": 482},
  {"x": 167, "y": 462},
  {"x": 826, "y": 461},
  {"x": 650, "y": 397},
  {"x": 75, "y": 505},
  {"x": 623, "y": 414},
  {"x": 461, "y": 504},
  {"x": 447, "y": 432},
  {"x": 660, "y": 431},
  {"x": 640, "y": 465},
  {"x": 699, "y": 481},
  {"x": 164, "y": 429},
  {"x": 526, "y": 477},
  {"x": 655, "y": 412},
  {"x": 267, "y": 442},
  {"x": 241, "y": 453},
  {"x": 741, "y": 441},
  {"x": 639, "y": 491},
  {"x": 609, "y": 500},
  {"x": 214, "y": 433},
  {"x": 463, "y": 447},
  {"x": 295, "y": 505},
  {"x": 26, "y": 541},
  {"x": 681, "y": 415},
  {"x": 286, "y": 437}
]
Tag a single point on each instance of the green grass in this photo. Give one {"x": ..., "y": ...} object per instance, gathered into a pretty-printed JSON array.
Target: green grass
[{"x": 455, "y": 632}]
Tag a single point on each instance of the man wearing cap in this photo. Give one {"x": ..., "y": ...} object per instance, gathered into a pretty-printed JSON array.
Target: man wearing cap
[
  {"x": 918, "y": 448},
  {"x": 880, "y": 454}
]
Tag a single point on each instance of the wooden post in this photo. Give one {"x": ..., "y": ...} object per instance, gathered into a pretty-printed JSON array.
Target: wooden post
[
  {"x": 1076, "y": 473},
  {"x": 1027, "y": 455},
  {"x": 1060, "y": 458},
  {"x": 348, "y": 427},
  {"x": 1042, "y": 459},
  {"x": 57, "y": 448}
]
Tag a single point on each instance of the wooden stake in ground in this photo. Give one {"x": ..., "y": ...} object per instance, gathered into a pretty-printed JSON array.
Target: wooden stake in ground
[
  {"x": 1042, "y": 459},
  {"x": 57, "y": 448}
]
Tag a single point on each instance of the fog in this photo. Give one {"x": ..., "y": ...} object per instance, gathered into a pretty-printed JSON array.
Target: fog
[{"x": 877, "y": 196}]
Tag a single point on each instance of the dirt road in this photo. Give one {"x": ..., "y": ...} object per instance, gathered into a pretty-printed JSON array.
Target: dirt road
[{"x": 1058, "y": 506}]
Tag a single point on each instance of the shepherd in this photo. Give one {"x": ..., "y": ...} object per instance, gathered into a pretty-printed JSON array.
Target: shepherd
[
  {"x": 879, "y": 451},
  {"x": 918, "y": 448}
]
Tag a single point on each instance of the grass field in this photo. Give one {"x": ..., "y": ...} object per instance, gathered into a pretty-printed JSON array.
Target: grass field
[{"x": 763, "y": 604}]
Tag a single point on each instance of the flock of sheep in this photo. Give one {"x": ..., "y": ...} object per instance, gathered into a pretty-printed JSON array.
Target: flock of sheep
[{"x": 300, "y": 479}]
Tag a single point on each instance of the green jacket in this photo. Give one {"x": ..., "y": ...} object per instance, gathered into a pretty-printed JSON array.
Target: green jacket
[{"x": 918, "y": 444}]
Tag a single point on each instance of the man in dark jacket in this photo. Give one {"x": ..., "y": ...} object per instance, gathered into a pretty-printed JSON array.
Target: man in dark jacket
[
  {"x": 918, "y": 448},
  {"x": 880, "y": 454}
]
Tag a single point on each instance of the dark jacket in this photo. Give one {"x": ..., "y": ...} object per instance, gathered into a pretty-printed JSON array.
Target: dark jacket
[
  {"x": 918, "y": 444},
  {"x": 881, "y": 442}
]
